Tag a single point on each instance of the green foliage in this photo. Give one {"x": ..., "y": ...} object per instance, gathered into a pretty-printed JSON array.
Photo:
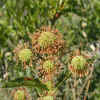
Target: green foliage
[
  {"x": 48, "y": 98},
  {"x": 77, "y": 20},
  {"x": 18, "y": 82}
]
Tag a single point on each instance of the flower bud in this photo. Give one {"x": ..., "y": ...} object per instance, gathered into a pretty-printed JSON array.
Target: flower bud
[
  {"x": 49, "y": 64},
  {"x": 19, "y": 95},
  {"x": 24, "y": 54},
  {"x": 78, "y": 62},
  {"x": 46, "y": 39}
]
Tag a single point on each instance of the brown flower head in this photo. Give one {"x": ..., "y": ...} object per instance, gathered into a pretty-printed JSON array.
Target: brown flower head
[
  {"x": 22, "y": 53},
  {"x": 79, "y": 65},
  {"x": 47, "y": 41},
  {"x": 20, "y": 94},
  {"x": 48, "y": 68}
]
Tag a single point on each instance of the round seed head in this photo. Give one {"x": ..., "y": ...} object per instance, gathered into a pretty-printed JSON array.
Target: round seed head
[
  {"x": 46, "y": 39},
  {"x": 19, "y": 95},
  {"x": 78, "y": 62},
  {"x": 49, "y": 64},
  {"x": 25, "y": 54}
]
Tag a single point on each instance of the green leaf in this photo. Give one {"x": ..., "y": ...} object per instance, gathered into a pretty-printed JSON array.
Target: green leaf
[{"x": 25, "y": 81}]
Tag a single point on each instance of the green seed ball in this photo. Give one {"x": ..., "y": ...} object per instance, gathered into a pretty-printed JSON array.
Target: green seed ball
[
  {"x": 25, "y": 54},
  {"x": 78, "y": 62},
  {"x": 19, "y": 95},
  {"x": 46, "y": 39},
  {"x": 48, "y": 65}
]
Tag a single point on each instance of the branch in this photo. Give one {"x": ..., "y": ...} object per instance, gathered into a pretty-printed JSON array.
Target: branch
[{"x": 86, "y": 81}]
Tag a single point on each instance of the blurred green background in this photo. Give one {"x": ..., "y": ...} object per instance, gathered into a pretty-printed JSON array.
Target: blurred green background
[{"x": 77, "y": 20}]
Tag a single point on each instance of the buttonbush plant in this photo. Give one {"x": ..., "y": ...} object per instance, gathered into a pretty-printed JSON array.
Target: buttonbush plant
[{"x": 49, "y": 49}]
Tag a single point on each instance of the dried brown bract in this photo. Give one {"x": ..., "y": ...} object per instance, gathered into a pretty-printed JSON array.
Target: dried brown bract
[
  {"x": 47, "y": 41},
  {"x": 48, "y": 68},
  {"x": 23, "y": 54},
  {"x": 20, "y": 94},
  {"x": 79, "y": 64}
]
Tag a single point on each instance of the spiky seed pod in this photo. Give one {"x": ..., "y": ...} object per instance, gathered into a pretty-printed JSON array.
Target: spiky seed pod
[
  {"x": 46, "y": 70},
  {"x": 24, "y": 54},
  {"x": 79, "y": 66},
  {"x": 19, "y": 95},
  {"x": 48, "y": 65},
  {"x": 21, "y": 50},
  {"x": 47, "y": 41},
  {"x": 78, "y": 62}
]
